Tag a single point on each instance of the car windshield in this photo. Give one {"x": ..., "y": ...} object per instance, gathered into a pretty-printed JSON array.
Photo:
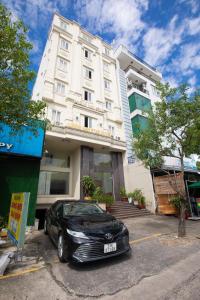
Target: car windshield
[{"x": 78, "y": 209}]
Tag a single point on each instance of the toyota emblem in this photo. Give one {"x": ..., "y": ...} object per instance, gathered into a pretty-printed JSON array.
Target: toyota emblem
[{"x": 109, "y": 236}]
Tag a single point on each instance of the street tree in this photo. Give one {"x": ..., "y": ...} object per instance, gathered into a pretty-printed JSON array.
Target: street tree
[
  {"x": 16, "y": 109},
  {"x": 173, "y": 130}
]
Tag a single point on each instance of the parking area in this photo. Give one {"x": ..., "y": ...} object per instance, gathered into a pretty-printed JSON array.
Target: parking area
[{"x": 155, "y": 248}]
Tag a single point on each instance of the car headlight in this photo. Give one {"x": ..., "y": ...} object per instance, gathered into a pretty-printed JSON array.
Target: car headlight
[{"x": 77, "y": 234}]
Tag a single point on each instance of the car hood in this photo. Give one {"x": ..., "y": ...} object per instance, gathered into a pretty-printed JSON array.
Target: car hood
[{"x": 94, "y": 224}]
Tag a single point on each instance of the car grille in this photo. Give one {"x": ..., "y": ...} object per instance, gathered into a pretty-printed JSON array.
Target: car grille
[{"x": 95, "y": 250}]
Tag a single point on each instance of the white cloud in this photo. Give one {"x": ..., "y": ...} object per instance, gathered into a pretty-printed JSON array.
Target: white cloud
[
  {"x": 193, "y": 5},
  {"x": 122, "y": 18},
  {"x": 189, "y": 59},
  {"x": 160, "y": 42},
  {"x": 193, "y": 26},
  {"x": 34, "y": 13}
]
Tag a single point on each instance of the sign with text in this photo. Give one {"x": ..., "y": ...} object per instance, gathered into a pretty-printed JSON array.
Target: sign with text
[
  {"x": 21, "y": 142},
  {"x": 18, "y": 218}
]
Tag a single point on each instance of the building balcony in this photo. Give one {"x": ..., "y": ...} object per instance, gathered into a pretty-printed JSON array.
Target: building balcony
[
  {"x": 136, "y": 81},
  {"x": 139, "y": 123},
  {"x": 89, "y": 136},
  {"x": 138, "y": 102},
  {"x": 128, "y": 59}
]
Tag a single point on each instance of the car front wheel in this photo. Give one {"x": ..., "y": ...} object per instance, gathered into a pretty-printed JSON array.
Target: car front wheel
[{"x": 62, "y": 249}]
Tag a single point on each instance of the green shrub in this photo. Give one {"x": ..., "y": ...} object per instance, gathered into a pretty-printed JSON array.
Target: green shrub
[
  {"x": 88, "y": 186},
  {"x": 138, "y": 196},
  {"x": 123, "y": 192}
]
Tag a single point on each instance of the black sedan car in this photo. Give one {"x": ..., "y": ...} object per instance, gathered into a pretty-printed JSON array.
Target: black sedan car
[{"x": 83, "y": 232}]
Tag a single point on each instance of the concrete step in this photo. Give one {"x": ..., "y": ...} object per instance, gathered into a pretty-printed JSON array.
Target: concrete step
[{"x": 123, "y": 210}]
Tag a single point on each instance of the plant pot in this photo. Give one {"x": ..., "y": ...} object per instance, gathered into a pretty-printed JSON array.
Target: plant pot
[
  {"x": 3, "y": 233},
  {"x": 130, "y": 200},
  {"x": 87, "y": 198},
  {"x": 124, "y": 199},
  {"x": 108, "y": 208},
  {"x": 141, "y": 206}
]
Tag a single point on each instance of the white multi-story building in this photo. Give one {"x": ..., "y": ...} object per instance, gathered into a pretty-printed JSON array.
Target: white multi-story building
[
  {"x": 77, "y": 79},
  {"x": 137, "y": 84}
]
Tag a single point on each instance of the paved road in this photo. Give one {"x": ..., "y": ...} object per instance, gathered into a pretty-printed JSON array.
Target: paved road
[{"x": 157, "y": 268}]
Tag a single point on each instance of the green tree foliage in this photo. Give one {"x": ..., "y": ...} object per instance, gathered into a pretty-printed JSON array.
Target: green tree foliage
[
  {"x": 16, "y": 109},
  {"x": 174, "y": 130}
]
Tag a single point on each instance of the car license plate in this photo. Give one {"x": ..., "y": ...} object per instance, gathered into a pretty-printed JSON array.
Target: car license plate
[{"x": 110, "y": 247}]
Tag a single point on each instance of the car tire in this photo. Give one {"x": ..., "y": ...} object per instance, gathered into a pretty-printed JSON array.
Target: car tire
[
  {"x": 45, "y": 227},
  {"x": 62, "y": 249}
]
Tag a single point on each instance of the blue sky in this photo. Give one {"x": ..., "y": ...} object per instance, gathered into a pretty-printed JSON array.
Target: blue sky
[{"x": 164, "y": 33}]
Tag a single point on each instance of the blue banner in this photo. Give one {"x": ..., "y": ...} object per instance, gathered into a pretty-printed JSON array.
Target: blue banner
[{"x": 22, "y": 142}]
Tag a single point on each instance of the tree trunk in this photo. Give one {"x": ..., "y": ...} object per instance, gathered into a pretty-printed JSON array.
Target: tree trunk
[{"x": 181, "y": 225}]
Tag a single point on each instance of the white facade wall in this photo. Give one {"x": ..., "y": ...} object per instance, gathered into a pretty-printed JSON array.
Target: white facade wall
[
  {"x": 61, "y": 82},
  {"x": 133, "y": 71},
  {"x": 71, "y": 104}
]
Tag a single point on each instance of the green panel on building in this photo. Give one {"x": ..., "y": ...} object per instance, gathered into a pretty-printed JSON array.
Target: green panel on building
[
  {"x": 18, "y": 174},
  {"x": 137, "y": 101},
  {"x": 139, "y": 123}
]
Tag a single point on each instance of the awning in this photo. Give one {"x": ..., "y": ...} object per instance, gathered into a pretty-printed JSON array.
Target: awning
[{"x": 195, "y": 185}]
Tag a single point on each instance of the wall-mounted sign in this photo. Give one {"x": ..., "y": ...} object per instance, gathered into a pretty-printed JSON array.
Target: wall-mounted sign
[
  {"x": 18, "y": 218},
  {"x": 22, "y": 142}
]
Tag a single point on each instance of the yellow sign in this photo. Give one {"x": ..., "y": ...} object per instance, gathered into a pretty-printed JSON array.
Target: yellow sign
[{"x": 18, "y": 217}]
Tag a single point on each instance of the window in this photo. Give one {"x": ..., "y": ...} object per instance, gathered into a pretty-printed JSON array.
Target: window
[
  {"x": 88, "y": 73},
  {"x": 55, "y": 159},
  {"x": 62, "y": 64},
  {"x": 111, "y": 130},
  {"x": 106, "y": 84},
  {"x": 64, "y": 44},
  {"x": 87, "y": 96},
  {"x": 105, "y": 181},
  {"x": 87, "y": 54},
  {"x": 107, "y": 51},
  {"x": 60, "y": 88},
  {"x": 53, "y": 183},
  {"x": 108, "y": 105},
  {"x": 63, "y": 25},
  {"x": 106, "y": 66},
  {"x": 88, "y": 122},
  {"x": 55, "y": 117}
]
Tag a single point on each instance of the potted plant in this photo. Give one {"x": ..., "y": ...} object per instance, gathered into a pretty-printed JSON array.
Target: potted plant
[
  {"x": 130, "y": 197},
  {"x": 102, "y": 198},
  {"x": 88, "y": 187},
  {"x": 3, "y": 226},
  {"x": 139, "y": 199},
  {"x": 108, "y": 200},
  {"x": 123, "y": 194}
]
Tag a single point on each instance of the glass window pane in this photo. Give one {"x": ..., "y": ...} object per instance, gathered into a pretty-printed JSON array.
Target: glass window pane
[
  {"x": 53, "y": 183},
  {"x": 59, "y": 160},
  {"x": 104, "y": 180},
  {"x": 102, "y": 159}
]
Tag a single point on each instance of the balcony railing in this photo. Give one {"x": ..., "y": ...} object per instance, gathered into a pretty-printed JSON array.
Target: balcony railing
[
  {"x": 76, "y": 129},
  {"x": 140, "y": 88},
  {"x": 138, "y": 72}
]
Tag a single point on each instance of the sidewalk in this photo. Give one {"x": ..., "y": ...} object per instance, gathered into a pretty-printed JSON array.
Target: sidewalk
[{"x": 157, "y": 254}]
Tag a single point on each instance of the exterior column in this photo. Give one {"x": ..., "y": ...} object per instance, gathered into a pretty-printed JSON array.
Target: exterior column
[
  {"x": 118, "y": 174},
  {"x": 87, "y": 165}
]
